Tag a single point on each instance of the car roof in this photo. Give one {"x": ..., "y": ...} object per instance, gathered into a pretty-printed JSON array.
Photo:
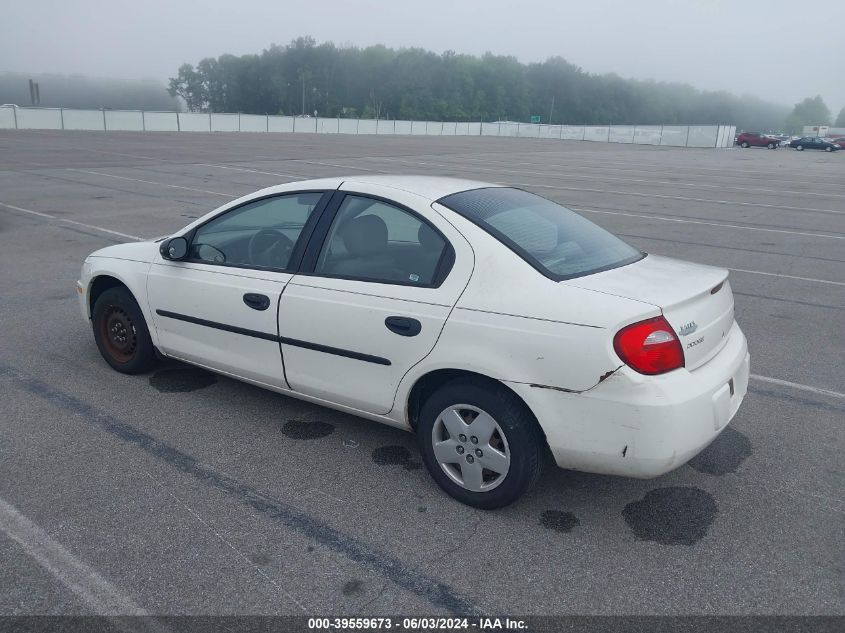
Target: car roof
[{"x": 429, "y": 187}]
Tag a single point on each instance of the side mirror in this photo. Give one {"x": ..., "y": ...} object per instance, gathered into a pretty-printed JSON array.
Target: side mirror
[{"x": 175, "y": 249}]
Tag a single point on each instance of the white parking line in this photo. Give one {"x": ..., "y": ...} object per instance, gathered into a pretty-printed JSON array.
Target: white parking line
[
  {"x": 228, "y": 543},
  {"x": 760, "y": 272},
  {"x": 682, "y": 198},
  {"x": 605, "y": 177},
  {"x": 794, "y": 385},
  {"x": 97, "y": 592},
  {"x": 252, "y": 171},
  {"x": 66, "y": 221},
  {"x": 732, "y": 226},
  {"x": 590, "y": 190},
  {"x": 151, "y": 182},
  {"x": 605, "y": 164},
  {"x": 316, "y": 162}
]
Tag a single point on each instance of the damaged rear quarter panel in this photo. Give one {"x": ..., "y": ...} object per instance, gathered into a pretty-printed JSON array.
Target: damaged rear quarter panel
[{"x": 519, "y": 349}]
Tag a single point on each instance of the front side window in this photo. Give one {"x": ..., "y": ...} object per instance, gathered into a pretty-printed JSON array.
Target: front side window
[
  {"x": 261, "y": 233},
  {"x": 373, "y": 240},
  {"x": 555, "y": 240}
]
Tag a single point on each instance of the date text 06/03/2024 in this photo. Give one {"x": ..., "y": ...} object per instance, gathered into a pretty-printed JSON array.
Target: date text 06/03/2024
[{"x": 418, "y": 624}]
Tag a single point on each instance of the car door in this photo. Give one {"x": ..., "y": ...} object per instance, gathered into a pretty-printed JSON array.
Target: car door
[
  {"x": 381, "y": 275},
  {"x": 219, "y": 307}
]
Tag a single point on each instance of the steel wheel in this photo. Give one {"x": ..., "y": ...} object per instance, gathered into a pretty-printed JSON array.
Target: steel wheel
[
  {"x": 119, "y": 333},
  {"x": 471, "y": 447}
]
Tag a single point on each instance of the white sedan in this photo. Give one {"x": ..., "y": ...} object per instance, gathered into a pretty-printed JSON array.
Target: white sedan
[{"x": 498, "y": 326}]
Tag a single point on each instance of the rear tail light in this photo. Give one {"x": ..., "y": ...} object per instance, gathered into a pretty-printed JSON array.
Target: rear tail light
[{"x": 649, "y": 347}]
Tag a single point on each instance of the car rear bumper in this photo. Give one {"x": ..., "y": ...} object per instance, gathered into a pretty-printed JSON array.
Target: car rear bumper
[{"x": 643, "y": 426}]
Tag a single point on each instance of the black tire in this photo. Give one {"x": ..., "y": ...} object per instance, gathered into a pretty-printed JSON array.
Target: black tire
[
  {"x": 523, "y": 439},
  {"x": 800, "y": 148},
  {"x": 828, "y": 149},
  {"x": 744, "y": 145},
  {"x": 121, "y": 333}
]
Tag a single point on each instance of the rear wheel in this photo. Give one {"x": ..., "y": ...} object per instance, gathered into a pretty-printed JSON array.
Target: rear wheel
[
  {"x": 121, "y": 333},
  {"x": 828, "y": 149},
  {"x": 800, "y": 148},
  {"x": 480, "y": 443},
  {"x": 744, "y": 145}
]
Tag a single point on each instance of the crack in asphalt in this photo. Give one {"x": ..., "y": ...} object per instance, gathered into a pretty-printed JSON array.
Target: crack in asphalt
[{"x": 363, "y": 609}]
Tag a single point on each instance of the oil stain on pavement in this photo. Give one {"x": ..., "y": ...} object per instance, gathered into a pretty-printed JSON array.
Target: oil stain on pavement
[
  {"x": 559, "y": 521},
  {"x": 395, "y": 456},
  {"x": 677, "y": 515},
  {"x": 181, "y": 379},
  {"x": 307, "y": 430},
  {"x": 353, "y": 587},
  {"x": 724, "y": 455}
]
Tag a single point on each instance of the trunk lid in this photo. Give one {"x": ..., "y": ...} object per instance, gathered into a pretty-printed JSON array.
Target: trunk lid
[{"x": 684, "y": 291}]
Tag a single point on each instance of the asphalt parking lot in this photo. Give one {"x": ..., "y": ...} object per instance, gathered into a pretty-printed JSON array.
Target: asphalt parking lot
[{"x": 181, "y": 492}]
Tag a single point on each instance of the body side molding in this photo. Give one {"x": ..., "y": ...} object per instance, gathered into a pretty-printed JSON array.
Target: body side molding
[{"x": 367, "y": 358}]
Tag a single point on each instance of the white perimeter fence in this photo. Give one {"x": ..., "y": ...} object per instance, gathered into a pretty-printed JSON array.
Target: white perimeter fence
[{"x": 141, "y": 121}]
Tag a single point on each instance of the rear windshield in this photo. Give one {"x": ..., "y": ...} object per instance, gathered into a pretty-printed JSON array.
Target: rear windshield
[{"x": 555, "y": 240}]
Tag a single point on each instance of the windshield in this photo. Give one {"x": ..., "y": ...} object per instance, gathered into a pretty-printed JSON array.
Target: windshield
[{"x": 555, "y": 240}]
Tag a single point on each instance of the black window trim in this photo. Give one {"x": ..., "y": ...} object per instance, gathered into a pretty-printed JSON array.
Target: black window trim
[
  {"x": 320, "y": 233},
  {"x": 299, "y": 247},
  {"x": 527, "y": 257}
]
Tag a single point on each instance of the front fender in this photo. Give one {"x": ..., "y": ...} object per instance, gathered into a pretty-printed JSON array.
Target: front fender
[{"x": 130, "y": 273}]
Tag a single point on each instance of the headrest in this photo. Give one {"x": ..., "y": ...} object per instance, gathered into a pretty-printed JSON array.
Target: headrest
[{"x": 365, "y": 235}]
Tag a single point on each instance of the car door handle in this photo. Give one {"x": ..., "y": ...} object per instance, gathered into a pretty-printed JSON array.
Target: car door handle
[
  {"x": 257, "y": 301},
  {"x": 403, "y": 326}
]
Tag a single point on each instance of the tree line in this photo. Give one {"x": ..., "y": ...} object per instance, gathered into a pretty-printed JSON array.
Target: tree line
[
  {"x": 411, "y": 83},
  {"x": 812, "y": 111}
]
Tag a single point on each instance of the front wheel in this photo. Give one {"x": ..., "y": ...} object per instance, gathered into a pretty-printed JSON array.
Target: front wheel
[
  {"x": 800, "y": 148},
  {"x": 480, "y": 443},
  {"x": 121, "y": 333},
  {"x": 771, "y": 146},
  {"x": 744, "y": 145},
  {"x": 828, "y": 149}
]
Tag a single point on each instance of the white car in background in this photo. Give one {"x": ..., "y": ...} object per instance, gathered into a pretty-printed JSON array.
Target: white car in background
[{"x": 495, "y": 324}]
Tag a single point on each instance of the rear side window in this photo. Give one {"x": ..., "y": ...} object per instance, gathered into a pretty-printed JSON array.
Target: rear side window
[
  {"x": 372, "y": 240},
  {"x": 555, "y": 240}
]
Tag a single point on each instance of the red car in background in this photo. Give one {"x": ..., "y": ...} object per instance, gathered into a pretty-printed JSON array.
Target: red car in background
[{"x": 755, "y": 139}]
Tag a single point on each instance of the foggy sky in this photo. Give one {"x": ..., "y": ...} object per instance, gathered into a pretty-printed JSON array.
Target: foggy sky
[{"x": 780, "y": 50}]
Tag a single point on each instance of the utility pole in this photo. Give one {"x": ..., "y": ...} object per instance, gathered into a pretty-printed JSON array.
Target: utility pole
[
  {"x": 551, "y": 110},
  {"x": 303, "y": 94}
]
